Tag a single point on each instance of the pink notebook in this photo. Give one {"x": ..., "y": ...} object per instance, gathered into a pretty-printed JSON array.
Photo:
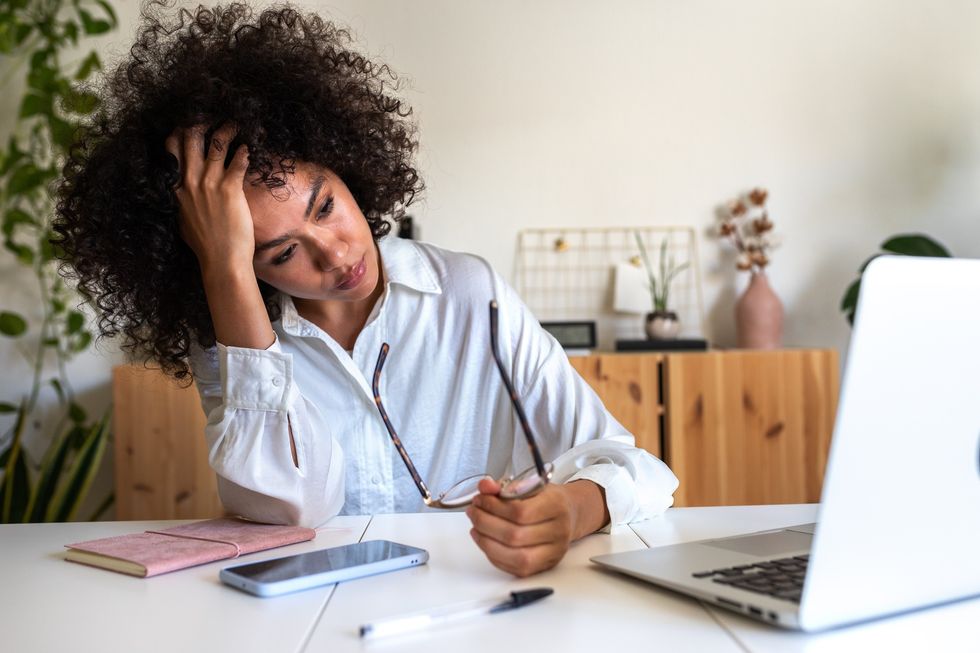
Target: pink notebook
[{"x": 157, "y": 552}]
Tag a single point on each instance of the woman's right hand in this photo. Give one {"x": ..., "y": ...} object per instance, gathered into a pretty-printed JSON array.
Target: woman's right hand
[
  {"x": 216, "y": 224},
  {"x": 215, "y": 220}
]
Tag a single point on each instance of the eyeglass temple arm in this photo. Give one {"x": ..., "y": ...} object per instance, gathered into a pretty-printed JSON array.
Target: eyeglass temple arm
[
  {"x": 375, "y": 386},
  {"x": 518, "y": 408}
]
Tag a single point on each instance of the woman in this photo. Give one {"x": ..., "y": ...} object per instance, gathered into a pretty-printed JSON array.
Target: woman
[{"x": 227, "y": 213}]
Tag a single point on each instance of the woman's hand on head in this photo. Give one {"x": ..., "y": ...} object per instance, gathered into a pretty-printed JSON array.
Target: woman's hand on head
[
  {"x": 215, "y": 220},
  {"x": 527, "y": 536}
]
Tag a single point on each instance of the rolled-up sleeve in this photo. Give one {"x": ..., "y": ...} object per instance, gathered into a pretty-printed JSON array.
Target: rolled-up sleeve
[{"x": 252, "y": 406}]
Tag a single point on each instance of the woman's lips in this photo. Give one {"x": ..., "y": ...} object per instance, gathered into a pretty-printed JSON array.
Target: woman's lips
[{"x": 353, "y": 277}]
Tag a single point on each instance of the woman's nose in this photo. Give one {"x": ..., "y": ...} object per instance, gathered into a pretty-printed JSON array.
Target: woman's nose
[{"x": 330, "y": 251}]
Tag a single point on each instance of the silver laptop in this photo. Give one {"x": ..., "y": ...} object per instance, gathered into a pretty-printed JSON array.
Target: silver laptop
[{"x": 899, "y": 521}]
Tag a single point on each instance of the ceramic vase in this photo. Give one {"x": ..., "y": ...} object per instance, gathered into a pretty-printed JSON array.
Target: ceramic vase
[
  {"x": 759, "y": 315},
  {"x": 662, "y": 325}
]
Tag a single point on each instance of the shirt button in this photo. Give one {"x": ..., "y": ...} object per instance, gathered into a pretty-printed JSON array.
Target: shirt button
[
  {"x": 376, "y": 480},
  {"x": 276, "y": 381}
]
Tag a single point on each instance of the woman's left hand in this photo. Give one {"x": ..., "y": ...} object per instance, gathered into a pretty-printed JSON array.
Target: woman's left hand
[{"x": 527, "y": 536}]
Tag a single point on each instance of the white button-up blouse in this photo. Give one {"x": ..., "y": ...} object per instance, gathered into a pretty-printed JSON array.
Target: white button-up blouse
[{"x": 440, "y": 388}]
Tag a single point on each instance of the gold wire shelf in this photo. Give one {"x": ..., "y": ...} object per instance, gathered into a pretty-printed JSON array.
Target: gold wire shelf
[{"x": 566, "y": 274}]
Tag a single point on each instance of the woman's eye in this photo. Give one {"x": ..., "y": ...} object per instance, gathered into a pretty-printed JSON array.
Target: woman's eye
[
  {"x": 325, "y": 209},
  {"x": 285, "y": 256}
]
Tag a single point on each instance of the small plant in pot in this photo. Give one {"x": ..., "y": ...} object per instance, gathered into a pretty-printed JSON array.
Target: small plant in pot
[{"x": 662, "y": 323}]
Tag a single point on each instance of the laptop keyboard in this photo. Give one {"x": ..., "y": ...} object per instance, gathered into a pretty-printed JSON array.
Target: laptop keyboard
[{"x": 782, "y": 578}]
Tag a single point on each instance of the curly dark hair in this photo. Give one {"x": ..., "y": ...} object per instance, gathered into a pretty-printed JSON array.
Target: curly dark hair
[{"x": 296, "y": 92}]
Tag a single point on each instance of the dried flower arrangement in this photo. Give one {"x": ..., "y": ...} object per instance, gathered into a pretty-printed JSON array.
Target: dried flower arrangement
[{"x": 745, "y": 221}]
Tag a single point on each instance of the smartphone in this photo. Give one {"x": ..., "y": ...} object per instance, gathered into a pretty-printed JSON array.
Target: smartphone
[{"x": 323, "y": 567}]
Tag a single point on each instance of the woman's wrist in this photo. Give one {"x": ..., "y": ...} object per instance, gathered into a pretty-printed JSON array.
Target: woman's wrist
[
  {"x": 588, "y": 506},
  {"x": 237, "y": 308},
  {"x": 221, "y": 270}
]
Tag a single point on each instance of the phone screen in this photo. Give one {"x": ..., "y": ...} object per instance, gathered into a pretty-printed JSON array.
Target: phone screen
[{"x": 316, "y": 562}]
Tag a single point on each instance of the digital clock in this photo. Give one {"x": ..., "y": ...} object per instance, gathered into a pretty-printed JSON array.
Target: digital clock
[{"x": 572, "y": 335}]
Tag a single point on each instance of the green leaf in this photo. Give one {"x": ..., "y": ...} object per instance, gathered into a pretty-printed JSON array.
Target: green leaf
[
  {"x": 76, "y": 413},
  {"x": 23, "y": 253},
  {"x": 89, "y": 63},
  {"x": 7, "y": 408},
  {"x": 36, "y": 105},
  {"x": 27, "y": 177},
  {"x": 71, "y": 32},
  {"x": 71, "y": 493},
  {"x": 14, "y": 488},
  {"x": 915, "y": 245},
  {"x": 22, "y": 32},
  {"x": 56, "y": 384},
  {"x": 110, "y": 13},
  {"x": 14, "y": 217},
  {"x": 77, "y": 436},
  {"x": 43, "y": 79},
  {"x": 12, "y": 324},
  {"x": 93, "y": 25},
  {"x": 40, "y": 58},
  {"x": 57, "y": 305},
  {"x": 849, "y": 302},
  {"x": 62, "y": 132},
  {"x": 20, "y": 490},
  {"x": 75, "y": 322},
  {"x": 47, "y": 249},
  {"x": 48, "y": 477},
  {"x": 12, "y": 157},
  {"x": 84, "y": 340},
  {"x": 82, "y": 102},
  {"x": 7, "y": 38}
]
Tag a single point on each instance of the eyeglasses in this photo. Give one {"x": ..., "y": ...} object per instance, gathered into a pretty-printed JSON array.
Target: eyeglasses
[{"x": 518, "y": 486}]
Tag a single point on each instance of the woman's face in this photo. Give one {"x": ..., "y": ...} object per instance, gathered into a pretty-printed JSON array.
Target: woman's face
[{"x": 311, "y": 239}]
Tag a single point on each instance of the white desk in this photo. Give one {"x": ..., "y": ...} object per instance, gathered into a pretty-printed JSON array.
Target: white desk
[
  {"x": 591, "y": 610},
  {"x": 47, "y": 604}
]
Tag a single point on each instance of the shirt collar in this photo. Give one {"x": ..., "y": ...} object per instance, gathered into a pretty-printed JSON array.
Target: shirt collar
[{"x": 403, "y": 264}]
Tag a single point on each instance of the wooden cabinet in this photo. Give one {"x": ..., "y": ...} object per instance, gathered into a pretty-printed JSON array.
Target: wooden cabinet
[
  {"x": 737, "y": 427},
  {"x": 629, "y": 386},
  {"x": 161, "y": 461}
]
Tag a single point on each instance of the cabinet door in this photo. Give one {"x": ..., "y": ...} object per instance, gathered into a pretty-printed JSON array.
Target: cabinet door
[
  {"x": 629, "y": 386},
  {"x": 161, "y": 460},
  {"x": 749, "y": 427}
]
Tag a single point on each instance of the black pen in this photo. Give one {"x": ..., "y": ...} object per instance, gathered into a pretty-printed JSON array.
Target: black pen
[{"x": 452, "y": 613}]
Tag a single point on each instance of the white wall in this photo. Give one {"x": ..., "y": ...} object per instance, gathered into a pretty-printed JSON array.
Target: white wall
[{"x": 862, "y": 118}]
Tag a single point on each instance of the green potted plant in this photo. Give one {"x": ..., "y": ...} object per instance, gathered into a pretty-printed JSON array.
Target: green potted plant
[
  {"x": 662, "y": 323},
  {"x": 55, "y": 104},
  {"x": 903, "y": 244}
]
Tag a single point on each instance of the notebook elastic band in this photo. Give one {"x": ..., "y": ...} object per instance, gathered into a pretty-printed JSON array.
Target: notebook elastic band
[{"x": 238, "y": 549}]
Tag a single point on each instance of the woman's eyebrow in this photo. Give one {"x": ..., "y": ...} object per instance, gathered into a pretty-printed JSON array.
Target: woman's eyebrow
[
  {"x": 315, "y": 188},
  {"x": 314, "y": 193}
]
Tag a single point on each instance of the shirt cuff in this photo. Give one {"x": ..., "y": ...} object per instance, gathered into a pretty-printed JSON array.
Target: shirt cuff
[
  {"x": 619, "y": 488},
  {"x": 255, "y": 379}
]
